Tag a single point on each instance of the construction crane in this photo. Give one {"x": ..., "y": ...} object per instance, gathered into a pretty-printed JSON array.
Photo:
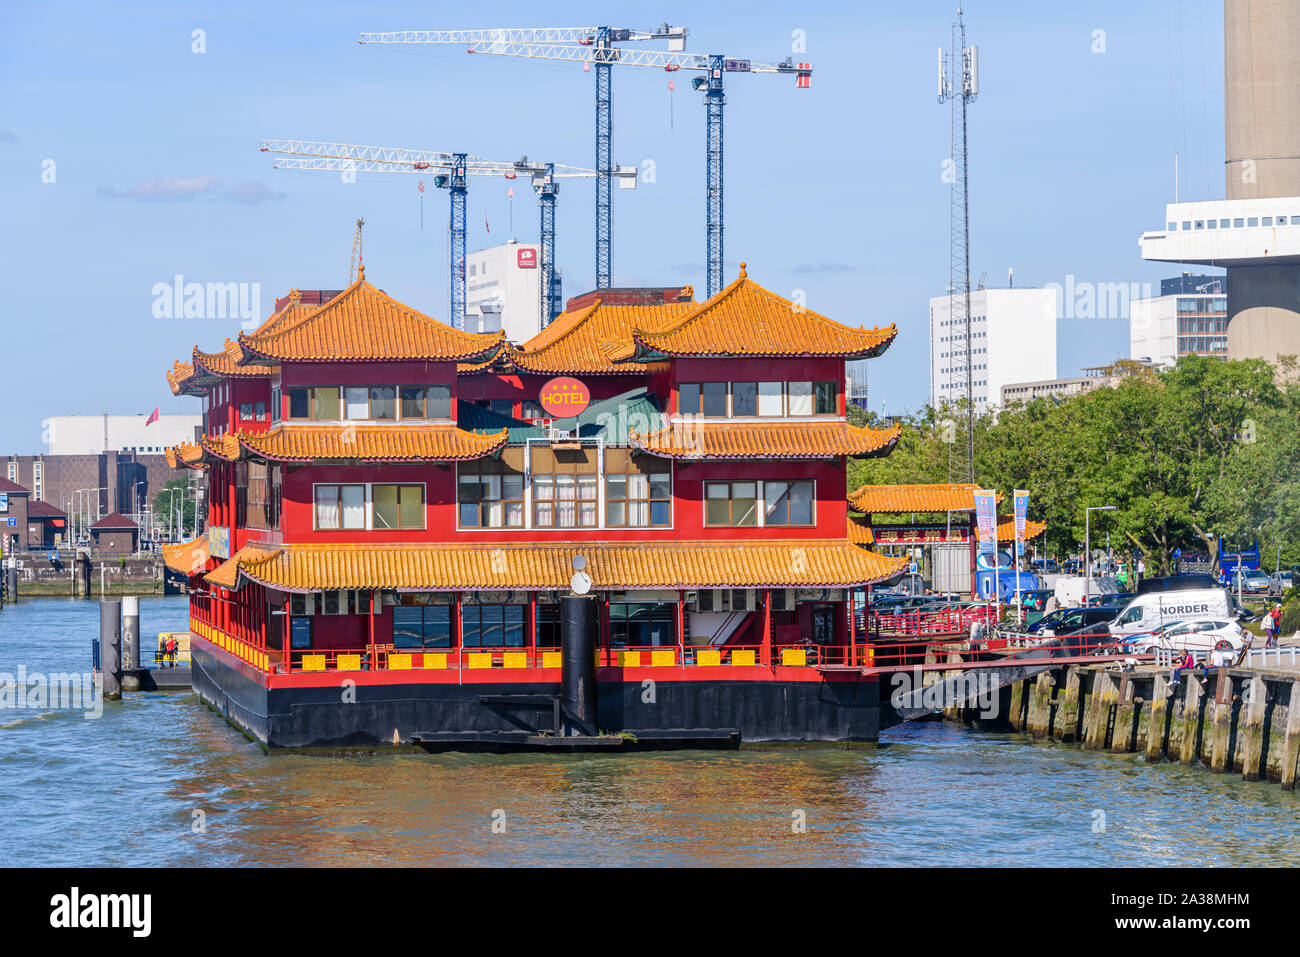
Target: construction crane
[
  {"x": 599, "y": 41},
  {"x": 451, "y": 171},
  {"x": 356, "y": 252},
  {"x": 594, "y": 46}
]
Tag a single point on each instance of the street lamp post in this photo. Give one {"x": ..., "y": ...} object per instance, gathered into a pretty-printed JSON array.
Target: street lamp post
[{"x": 1087, "y": 547}]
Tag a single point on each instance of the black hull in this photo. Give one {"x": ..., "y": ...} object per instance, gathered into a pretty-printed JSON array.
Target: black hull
[{"x": 505, "y": 715}]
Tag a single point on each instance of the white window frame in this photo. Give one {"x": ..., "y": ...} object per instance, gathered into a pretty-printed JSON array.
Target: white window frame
[
  {"x": 369, "y": 507},
  {"x": 760, "y": 500}
]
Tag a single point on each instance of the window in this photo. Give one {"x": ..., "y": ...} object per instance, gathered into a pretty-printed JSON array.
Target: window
[
  {"x": 826, "y": 398},
  {"x": 1187, "y": 224},
  {"x": 490, "y": 492},
  {"x": 642, "y": 624},
  {"x": 1266, "y": 221},
  {"x": 383, "y": 402},
  {"x": 426, "y": 402},
  {"x": 1281, "y": 220},
  {"x": 1252, "y": 221},
  {"x": 532, "y": 411},
  {"x": 421, "y": 626},
  {"x": 731, "y": 503},
  {"x": 397, "y": 506},
  {"x": 788, "y": 503},
  {"x": 713, "y": 399},
  {"x": 318, "y": 402},
  {"x": 547, "y": 629},
  {"x": 744, "y": 398},
  {"x": 1224, "y": 224},
  {"x": 800, "y": 399},
  {"x": 1238, "y": 222},
  {"x": 340, "y": 507},
  {"x": 299, "y": 404},
  {"x": 259, "y": 411},
  {"x": 564, "y": 487},
  {"x": 688, "y": 398},
  {"x": 491, "y": 625},
  {"x": 638, "y": 490},
  {"x": 245, "y": 410},
  {"x": 356, "y": 402},
  {"x": 1200, "y": 224},
  {"x": 770, "y": 398}
]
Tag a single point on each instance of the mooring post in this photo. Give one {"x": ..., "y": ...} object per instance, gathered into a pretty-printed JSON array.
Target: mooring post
[
  {"x": 1099, "y": 711},
  {"x": 578, "y": 665},
  {"x": 1158, "y": 711},
  {"x": 130, "y": 643},
  {"x": 1121, "y": 741},
  {"x": 110, "y": 648},
  {"x": 1017, "y": 706},
  {"x": 1067, "y": 719},
  {"x": 1291, "y": 739},
  {"x": 1253, "y": 729},
  {"x": 1189, "y": 750},
  {"x": 1040, "y": 705},
  {"x": 11, "y": 579},
  {"x": 1221, "y": 724}
]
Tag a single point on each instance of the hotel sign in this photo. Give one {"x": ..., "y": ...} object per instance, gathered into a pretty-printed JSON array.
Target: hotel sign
[{"x": 565, "y": 397}]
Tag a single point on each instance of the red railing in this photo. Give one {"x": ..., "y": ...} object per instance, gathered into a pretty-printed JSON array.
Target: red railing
[
  {"x": 1101, "y": 646},
  {"x": 948, "y": 621}
]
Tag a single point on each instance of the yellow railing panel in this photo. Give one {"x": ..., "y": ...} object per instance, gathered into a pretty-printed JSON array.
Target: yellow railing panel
[
  {"x": 743, "y": 656},
  {"x": 347, "y": 663},
  {"x": 663, "y": 658},
  {"x": 399, "y": 662},
  {"x": 551, "y": 659},
  {"x": 794, "y": 657},
  {"x": 514, "y": 659},
  {"x": 313, "y": 662},
  {"x": 708, "y": 657},
  {"x": 629, "y": 659},
  {"x": 478, "y": 659}
]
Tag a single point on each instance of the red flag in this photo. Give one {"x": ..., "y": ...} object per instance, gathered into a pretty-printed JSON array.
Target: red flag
[
  {"x": 485, "y": 223},
  {"x": 153, "y": 417}
]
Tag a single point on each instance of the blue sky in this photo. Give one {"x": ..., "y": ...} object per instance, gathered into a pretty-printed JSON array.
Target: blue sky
[{"x": 835, "y": 190}]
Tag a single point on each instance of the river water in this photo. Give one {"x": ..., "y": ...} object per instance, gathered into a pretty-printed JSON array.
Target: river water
[{"x": 159, "y": 779}]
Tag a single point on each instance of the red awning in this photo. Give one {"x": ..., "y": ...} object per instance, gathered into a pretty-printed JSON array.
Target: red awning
[{"x": 58, "y": 523}]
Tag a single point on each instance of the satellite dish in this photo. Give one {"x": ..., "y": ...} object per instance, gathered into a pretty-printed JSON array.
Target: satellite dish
[
  {"x": 579, "y": 563},
  {"x": 580, "y": 583}
]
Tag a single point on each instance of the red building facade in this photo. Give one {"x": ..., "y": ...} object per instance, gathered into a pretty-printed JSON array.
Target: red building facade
[{"x": 390, "y": 502}]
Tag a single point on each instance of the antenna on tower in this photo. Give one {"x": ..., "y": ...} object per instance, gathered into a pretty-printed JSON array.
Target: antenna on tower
[
  {"x": 959, "y": 84},
  {"x": 356, "y": 252}
]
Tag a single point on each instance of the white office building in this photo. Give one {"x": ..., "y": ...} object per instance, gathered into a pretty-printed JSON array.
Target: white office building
[
  {"x": 1189, "y": 317},
  {"x": 1013, "y": 339},
  {"x": 503, "y": 290},
  {"x": 95, "y": 434}
]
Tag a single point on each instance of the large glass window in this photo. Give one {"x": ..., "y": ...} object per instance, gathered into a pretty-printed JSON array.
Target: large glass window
[
  {"x": 826, "y": 396},
  {"x": 770, "y": 396},
  {"x": 421, "y": 626},
  {"x": 356, "y": 402},
  {"x": 491, "y": 492},
  {"x": 714, "y": 398},
  {"x": 564, "y": 487},
  {"x": 325, "y": 402},
  {"x": 383, "y": 402},
  {"x": 731, "y": 503},
  {"x": 398, "y": 506},
  {"x": 490, "y": 625},
  {"x": 638, "y": 490},
  {"x": 642, "y": 624},
  {"x": 788, "y": 503},
  {"x": 799, "y": 395},
  {"x": 688, "y": 398},
  {"x": 744, "y": 398},
  {"x": 340, "y": 506}
]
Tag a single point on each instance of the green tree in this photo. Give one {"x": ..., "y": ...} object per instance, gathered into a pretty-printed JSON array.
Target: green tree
[{"x": 176, "y": 494}]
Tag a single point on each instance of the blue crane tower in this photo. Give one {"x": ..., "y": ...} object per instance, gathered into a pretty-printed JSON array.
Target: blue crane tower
[{"x": 451, "y": 172}]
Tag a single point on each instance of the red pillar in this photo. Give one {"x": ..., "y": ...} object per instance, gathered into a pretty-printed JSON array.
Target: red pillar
[
  {"x": 374, "y": 657},
  {"x": 853, "y": 629}
]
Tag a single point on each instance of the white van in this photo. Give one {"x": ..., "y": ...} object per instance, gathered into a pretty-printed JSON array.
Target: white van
[{"x": 1154, "y": 609}]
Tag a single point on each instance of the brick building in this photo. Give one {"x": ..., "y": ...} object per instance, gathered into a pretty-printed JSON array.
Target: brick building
[{"x": 114, "y": 536}]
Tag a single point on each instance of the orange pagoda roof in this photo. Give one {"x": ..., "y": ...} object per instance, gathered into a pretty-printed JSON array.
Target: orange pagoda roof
[
  {"x": 363, "y": 324},
  {"x": 766, "y": 440},
  {"x": 187, "y": 558},
  {"x": 901, "y": 499},
  {"x": 308, "y": 442},
  {"x": 744, "y": 319},
  {"x": 206, "y": 368},
  {"x": 1007, "y": 528},
  {"x": 488, "y": 567},
  {"x": 860, "y": 532},
  {"x": 594, "y": 339}
]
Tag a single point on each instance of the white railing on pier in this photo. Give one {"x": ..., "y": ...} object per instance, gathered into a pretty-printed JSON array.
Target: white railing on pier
[{"x": 1275, "y": 657}]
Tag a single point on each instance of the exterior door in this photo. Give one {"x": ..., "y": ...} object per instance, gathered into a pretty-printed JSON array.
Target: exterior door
[{"x": 823, "y": 624}]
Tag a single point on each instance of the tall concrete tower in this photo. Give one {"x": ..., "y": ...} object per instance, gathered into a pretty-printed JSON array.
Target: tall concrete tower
[{"x": 1255, "y": 232}]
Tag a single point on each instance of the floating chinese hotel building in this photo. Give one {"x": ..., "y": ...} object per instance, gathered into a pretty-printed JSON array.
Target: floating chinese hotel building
[{"x": 414, "y": 540}]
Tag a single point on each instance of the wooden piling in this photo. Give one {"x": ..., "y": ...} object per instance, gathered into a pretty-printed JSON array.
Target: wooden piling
[
  {"x": 1252, "y": 729},
  {"x": 1189, "y": 749},
  {"x": 1221, "y": 723},
  {"x": 1099, "y": 711},
  {"x": 1157, "y": 719},
  {"x": 1066, "y": 726},
  {"x": 1016, "y": 717},
  {"x": 1291, "y": 739},
  {"x": 1122, "y": 741},
  {"x": 1040, "y": 706}
]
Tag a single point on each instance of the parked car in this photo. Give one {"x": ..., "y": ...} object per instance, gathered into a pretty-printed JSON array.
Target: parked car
[
  {"x": 1074, "y": 620},
  {"x": 1182, "y": 598},
  {"x": 1281, "y": 582},
  {"x": 1249, "y": 581},
  {"x": 1198, "y": 634}
]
